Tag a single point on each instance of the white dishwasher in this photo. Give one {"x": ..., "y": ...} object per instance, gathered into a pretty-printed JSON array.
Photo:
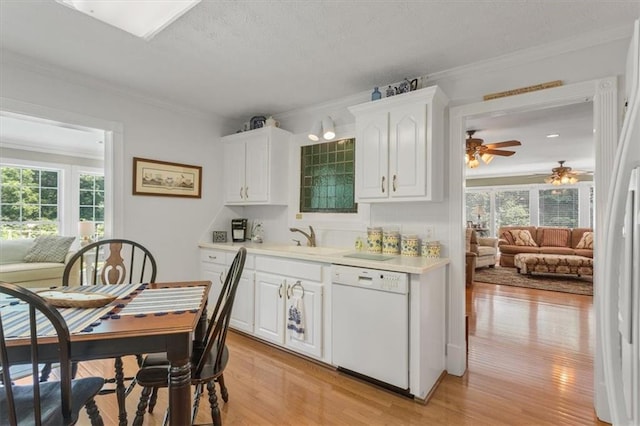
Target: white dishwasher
[{"x": 370, "y": 324}]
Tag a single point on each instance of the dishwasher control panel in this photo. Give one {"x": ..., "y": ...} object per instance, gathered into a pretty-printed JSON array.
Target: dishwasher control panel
[{"x": 393, "y": 282}]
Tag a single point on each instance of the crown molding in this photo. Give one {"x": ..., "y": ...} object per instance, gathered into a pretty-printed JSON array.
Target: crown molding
[{"x": 9, "y": 57}]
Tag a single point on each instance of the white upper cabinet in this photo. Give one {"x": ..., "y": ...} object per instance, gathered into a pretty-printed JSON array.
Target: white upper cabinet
[
  {"x": 399, "y": 147},
  {"x": 256, "y": 166}
]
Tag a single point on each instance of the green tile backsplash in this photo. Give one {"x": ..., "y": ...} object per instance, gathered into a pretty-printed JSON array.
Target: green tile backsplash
[{"x": 327, "y": 177}]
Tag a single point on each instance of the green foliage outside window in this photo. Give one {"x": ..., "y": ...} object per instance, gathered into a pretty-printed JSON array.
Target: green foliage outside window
[
  {"x": 28, "y": 202},
  {"x": 91, "y": 196}
]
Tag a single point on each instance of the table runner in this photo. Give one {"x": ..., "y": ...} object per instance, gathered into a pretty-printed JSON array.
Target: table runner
[
  {"x": 164, "y": 300},
  {"x": 15, "y": 317}
]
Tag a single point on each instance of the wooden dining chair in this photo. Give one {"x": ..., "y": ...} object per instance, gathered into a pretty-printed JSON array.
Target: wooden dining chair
[
  {"x": 30, "y": 402},
  {"x": 112, "y": 261},
  {"x": 208, "y": 360}
]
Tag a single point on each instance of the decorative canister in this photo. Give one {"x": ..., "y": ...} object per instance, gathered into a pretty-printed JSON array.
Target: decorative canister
[
  {"x": 410, "y": 245},
  {"x": 374, "y": 240},
  {"x": 391, "y": 241},
  {"x": 431, "y": 249}
]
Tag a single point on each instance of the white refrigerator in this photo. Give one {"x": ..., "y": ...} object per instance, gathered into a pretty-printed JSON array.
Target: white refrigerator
[{"x": 619, "y": 300}]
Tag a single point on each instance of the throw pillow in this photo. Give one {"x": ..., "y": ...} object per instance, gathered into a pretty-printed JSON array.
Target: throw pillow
[
  {"x": 555, "y": 237},
  {"x": 522, "y": 237},
  {"x": 586, "y": 241},
  {"x": 49, "y": 248},
  {"x": 14, "y": 251}
]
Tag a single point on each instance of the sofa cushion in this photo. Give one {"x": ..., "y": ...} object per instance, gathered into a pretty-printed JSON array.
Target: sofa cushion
[
  {"x": 555, "y": 237},
  {"x": 557, "y": 250},
  {"x": 49, "y": 248},
  {"x": 20, "y": 272},
  {"x": 486, "y": 251},
  {"x": 586, "y": 241},
  {"x": 522, "y": 237},
  {"x": 583, "y": 252},
  {"x": 518, "y": 249},
  {"x": 14, "y": 251}
]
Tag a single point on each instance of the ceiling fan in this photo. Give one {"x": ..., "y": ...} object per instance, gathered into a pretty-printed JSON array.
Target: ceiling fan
[
  {"x": 563, "y": 175},
  {"x": 476, "y": 148}
]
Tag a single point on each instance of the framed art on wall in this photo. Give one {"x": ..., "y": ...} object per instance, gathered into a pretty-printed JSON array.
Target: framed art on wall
[{"x": 162, "y": 178}]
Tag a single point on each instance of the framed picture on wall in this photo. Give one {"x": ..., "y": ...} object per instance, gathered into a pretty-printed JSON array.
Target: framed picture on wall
[
  {"x": 469, "y": 224},
  {"x": 162, "y": 178}
]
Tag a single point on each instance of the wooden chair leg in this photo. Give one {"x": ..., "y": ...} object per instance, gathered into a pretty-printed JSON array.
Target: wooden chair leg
[
  {"x": 120, "y": 392},
  {"x": 223, "y": 389},
  {"x": 213, "y": 402},
  {"x": 154, "y": 399},
  {"x": 196, "y": 402},
  {"x": 94, "y": 413},
  {"x": 142, "y": 406}
]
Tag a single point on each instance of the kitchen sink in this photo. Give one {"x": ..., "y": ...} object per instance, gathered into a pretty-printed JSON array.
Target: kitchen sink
[{"x": 318, "y": 251}]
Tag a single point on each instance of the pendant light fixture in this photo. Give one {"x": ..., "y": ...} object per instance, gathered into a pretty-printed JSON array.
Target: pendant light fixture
[{"x": 324, "y": 128}]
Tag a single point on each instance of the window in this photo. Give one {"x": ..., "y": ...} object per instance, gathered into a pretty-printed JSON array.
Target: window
[
  {"x": 91, "y": 201},
  {"x": 558, "y": 207},
  {"x": 327, "y": 177},
  {"x": 512, "y": 208},
  {"x": 29, "y": 201},
  {"x": 531, "y": 205}
]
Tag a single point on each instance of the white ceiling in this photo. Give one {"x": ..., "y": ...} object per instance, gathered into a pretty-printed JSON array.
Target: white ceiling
[{"x": 237, "y": 59}]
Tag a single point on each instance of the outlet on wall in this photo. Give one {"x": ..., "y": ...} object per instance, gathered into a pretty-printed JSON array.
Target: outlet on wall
[{"x": 429, "y": 232}]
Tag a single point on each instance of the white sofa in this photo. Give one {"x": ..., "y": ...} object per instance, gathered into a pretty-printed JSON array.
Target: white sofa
[{"x": 14, "y": 269}]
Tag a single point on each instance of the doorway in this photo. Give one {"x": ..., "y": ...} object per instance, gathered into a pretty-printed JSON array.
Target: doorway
[{"x": 104, "y": 157}]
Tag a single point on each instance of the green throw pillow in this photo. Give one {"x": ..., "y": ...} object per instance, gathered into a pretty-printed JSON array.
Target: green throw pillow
[{"x": 49, "y": 248}]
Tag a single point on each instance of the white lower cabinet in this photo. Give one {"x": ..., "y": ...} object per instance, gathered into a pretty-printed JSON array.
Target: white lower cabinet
[
  {"x": 214, "y": 265},
  {"x": 302, "y": 287}
]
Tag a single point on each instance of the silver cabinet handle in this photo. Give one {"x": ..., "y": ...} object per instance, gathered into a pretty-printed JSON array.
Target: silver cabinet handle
[
  {"x": 246, "y": 192},
  {"x": 280, "y": 291},
  {"x": 213, "y": 257},
  {"x": 220, "y": 278},
  {"x": 241, "y": 192},
  {"x": 382, "y": 184},
  {"x": 395, "y": 179}
]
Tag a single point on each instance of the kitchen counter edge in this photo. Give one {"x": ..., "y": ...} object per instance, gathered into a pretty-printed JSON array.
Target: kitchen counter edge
[{"x": 411, "y": 265}]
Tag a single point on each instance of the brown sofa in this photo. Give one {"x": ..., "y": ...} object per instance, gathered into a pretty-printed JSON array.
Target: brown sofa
[
  {"x": 554, "y": 242},
  {"x": 480, "y": 252}
]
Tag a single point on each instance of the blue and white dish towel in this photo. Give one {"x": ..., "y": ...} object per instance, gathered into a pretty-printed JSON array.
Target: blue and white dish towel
[{"x": 295, "y": 321}]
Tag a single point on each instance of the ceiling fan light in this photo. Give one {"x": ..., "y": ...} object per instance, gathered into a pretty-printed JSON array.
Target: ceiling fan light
[
  {"x": 573, "y": 179},
  {"x": 556, "y": 182},
  {"x": 474, "y": 163},
  {"x": 564, "y": 179},
  {"x": 487, "y": 158}
]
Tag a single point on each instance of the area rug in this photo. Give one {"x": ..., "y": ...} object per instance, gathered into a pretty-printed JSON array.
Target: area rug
[{"x": 553, "y": 282}]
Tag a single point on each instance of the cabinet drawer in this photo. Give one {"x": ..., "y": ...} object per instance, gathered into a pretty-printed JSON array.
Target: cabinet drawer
[
  {"x": 213, "y": 256},
  {"x": 284, "y": 267}
]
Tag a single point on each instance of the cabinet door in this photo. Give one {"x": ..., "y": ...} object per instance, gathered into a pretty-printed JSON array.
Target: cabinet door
[
  {"x": 257, "y": 169},
  {"x": 407, "y": 148},
  {"x": 269, "y": 309},
  {"x": 372, "y": 152},
  {"x": 243, "y": 306},
  {"x": 234, "y": 172},
  {"x": 216, "y": 274},
  {"x": 311, "y": 342}
]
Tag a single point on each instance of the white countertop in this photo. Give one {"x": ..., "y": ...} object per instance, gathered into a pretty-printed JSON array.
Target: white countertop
[{"x": 335, "y": 255}]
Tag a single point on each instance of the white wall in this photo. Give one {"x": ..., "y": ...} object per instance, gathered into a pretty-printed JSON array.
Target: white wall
[{"x": 170, "y": 227}]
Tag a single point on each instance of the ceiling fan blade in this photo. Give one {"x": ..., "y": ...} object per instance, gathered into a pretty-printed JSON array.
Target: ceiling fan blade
[
  {"x": 503, "y": 144},
  {"x": 499, "y": 152}
]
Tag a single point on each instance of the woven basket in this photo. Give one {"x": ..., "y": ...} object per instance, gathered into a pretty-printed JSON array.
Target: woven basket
[{"x": 76, "y": 299}]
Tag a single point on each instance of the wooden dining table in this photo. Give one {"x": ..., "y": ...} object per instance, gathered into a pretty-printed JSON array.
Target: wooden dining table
[{"x": 146, "y": 320}]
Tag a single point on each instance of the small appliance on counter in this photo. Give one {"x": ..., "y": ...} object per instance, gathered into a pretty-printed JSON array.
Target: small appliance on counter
[{"x": 238, "y": 230}]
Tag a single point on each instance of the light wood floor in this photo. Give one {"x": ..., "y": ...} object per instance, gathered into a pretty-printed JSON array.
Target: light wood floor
[{"x": 530, "y": 363}]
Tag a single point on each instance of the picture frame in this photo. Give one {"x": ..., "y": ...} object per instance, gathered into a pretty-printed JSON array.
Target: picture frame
[
  {"x": 469, "y": 224},
  {"x": 165, "y": 179}
]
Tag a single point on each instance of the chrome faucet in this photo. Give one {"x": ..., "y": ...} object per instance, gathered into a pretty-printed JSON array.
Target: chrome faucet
[{"x": 311, "y": 236}]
